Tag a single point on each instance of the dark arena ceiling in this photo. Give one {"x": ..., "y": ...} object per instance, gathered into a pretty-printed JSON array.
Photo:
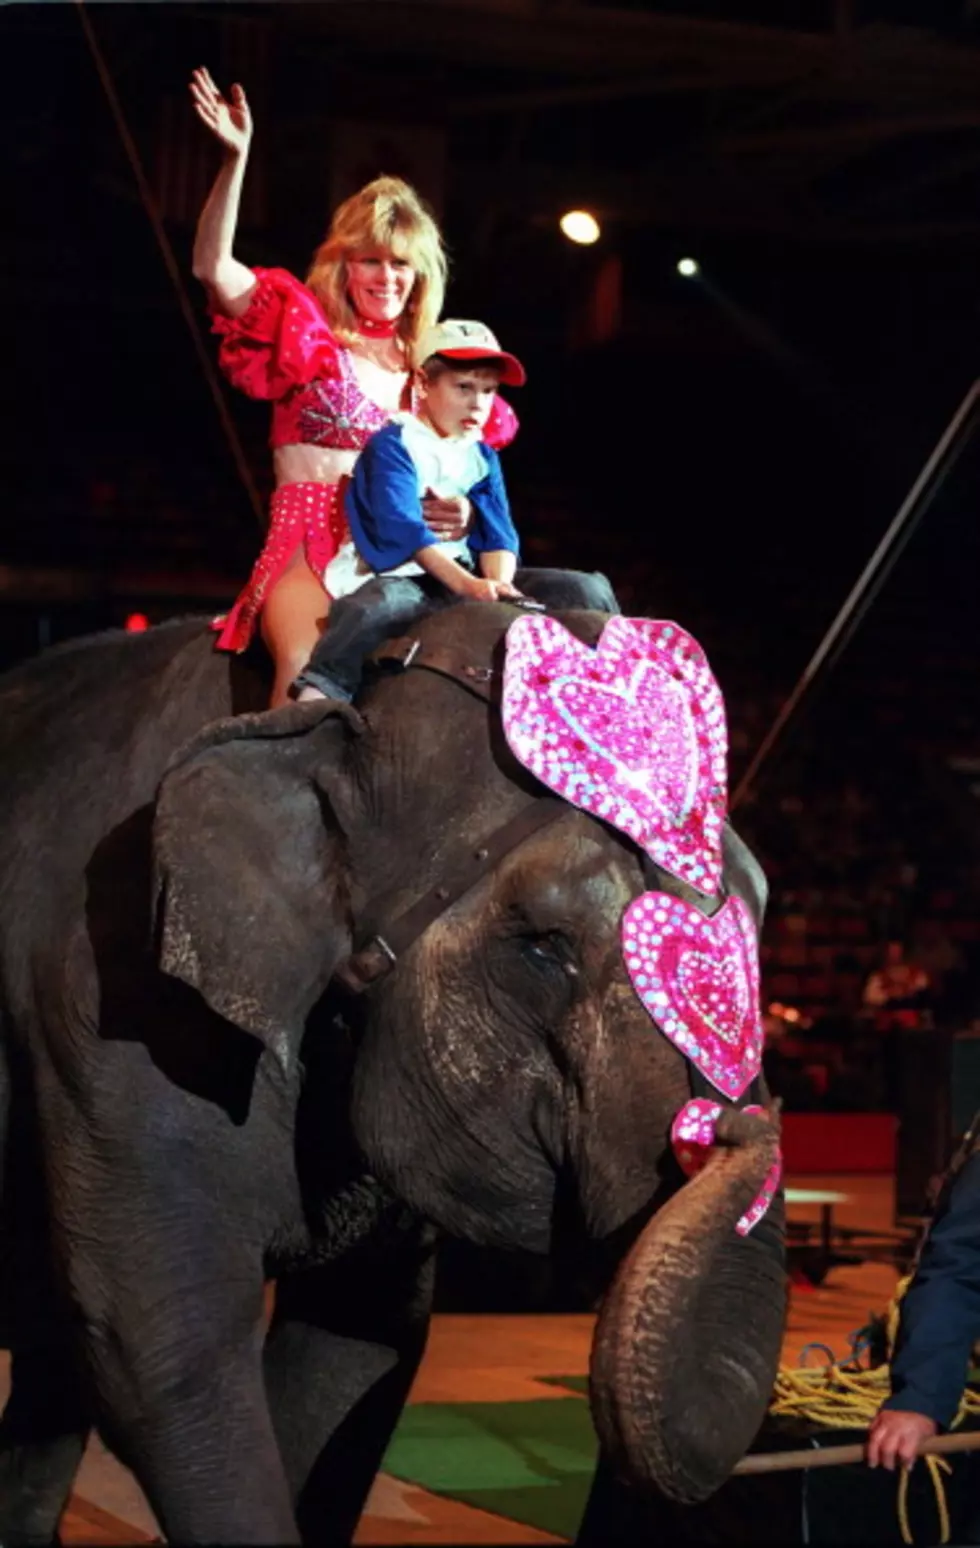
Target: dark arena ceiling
[
  {"x": 820, "y": 120},
  {"x": 828, "y": 121}
]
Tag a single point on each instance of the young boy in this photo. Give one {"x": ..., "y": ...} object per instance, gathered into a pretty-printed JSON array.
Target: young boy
[{"x": 395, "y": 571}]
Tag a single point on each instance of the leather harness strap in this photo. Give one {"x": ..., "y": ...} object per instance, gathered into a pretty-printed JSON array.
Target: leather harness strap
[
  {"x": 382, "y": 951},
  {"x": 409, "y": 651},
  {"x": 376, "y": 958}
]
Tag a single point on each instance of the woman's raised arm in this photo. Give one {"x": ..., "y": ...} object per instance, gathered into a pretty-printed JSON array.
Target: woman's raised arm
[{"x": 229, "y": 283}]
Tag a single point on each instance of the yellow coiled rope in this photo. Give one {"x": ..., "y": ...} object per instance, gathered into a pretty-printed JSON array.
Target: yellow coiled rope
[{"x": 848, "y": 1396}]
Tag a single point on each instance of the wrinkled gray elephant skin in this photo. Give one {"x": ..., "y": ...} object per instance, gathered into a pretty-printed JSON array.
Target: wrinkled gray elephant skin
[{"x": 187, "y": 1115}]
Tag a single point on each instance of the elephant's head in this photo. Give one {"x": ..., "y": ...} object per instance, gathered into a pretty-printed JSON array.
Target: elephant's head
[{"x": 509, "y": 1084}]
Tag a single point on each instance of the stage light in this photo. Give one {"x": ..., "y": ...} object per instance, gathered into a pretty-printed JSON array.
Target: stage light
[
  {"x": 581, "y": 227},
  {"x": 136, "y": 623},
  {"x": 688, "y": 267}
]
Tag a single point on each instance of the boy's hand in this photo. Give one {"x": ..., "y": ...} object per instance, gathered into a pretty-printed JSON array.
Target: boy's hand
[
  {"x": 480, "y": 589},
  {"x": 448, "y": 516},
  {"x": 896, "y": 1435}
]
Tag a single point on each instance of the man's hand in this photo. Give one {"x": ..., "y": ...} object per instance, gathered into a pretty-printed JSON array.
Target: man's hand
[
  {"x": 895, "y": 1436},
  {"x": 448, "y": 516}
]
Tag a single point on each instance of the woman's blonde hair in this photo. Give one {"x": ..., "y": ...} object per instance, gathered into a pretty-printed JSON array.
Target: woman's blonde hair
[{"x": 387, "y": 215}]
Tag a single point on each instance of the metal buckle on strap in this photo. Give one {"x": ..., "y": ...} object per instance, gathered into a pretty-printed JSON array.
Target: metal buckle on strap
[
  {"x": 398, "y": 653},
  {"x": 366, "y": 966},
  {"x": 374, "y": 961},
  {"x": 444, "y": 661}
]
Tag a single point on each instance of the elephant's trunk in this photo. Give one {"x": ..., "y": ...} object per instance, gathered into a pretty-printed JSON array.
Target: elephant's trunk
[{"x": 688, "y": 1339}]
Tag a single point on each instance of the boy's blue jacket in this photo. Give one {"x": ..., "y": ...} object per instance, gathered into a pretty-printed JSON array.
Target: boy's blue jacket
[{"x": 384, "y": 505}]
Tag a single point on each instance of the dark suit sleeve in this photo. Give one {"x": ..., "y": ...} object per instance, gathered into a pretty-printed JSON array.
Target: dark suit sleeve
[
  {"x": 940, "y": 1313},
  {"x": 493, "y": 529}
]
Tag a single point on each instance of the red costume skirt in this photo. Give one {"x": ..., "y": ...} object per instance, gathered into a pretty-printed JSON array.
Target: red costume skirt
[{"x": 307, "y": 516}]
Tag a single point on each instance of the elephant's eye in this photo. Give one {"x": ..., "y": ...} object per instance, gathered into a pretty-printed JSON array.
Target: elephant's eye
[{"x": 551, "y": 950}]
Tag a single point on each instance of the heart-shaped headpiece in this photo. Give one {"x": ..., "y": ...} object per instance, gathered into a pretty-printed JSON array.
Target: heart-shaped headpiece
[
  {"x": 632, "y": 731},
  {"x": 692, "y": 1135},
  {"x": 699, "y": 980}
]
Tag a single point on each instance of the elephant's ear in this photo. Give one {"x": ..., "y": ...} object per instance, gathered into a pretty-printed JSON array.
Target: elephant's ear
[{"x": 250, "y": 868}]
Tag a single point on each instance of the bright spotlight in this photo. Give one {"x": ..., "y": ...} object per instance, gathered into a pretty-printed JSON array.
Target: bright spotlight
[
  {"x": 579, "y": 226},
  {"x": 689, "y": 267}
]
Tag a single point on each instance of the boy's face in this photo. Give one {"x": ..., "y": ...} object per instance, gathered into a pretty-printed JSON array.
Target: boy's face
[{"x": 458, "y": 402}]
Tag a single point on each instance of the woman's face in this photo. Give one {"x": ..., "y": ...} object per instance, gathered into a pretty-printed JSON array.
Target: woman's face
[{"x": 379, "y": 285}]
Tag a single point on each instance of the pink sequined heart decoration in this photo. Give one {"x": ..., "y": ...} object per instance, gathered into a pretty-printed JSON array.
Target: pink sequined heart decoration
[
  {"x": 699, "y": 980},
  {"x": 692, "y": 1135},
  {"x": 632, "y": 732}
]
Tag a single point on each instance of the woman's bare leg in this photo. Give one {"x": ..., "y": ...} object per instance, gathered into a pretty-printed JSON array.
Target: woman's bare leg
[{"x": 293, "y": 616}]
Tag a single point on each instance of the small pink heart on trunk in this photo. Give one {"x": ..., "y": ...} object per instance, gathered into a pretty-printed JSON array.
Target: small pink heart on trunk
[
  {"x": 692, "y": 1135},
  {"x": 698, "y": 979},
  {"x": 632, "y": 732}
]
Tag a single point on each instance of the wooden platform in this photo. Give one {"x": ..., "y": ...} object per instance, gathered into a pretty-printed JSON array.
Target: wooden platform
[{"x": 498, "y": 1358}]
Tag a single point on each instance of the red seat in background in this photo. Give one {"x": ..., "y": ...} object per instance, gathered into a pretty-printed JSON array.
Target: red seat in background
[{"x": 838, "y": 1142}]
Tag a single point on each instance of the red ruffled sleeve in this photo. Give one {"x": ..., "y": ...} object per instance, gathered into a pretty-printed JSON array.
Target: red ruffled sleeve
[
  {"x": 502, "y": 426},
  {"x": 280, "y": 341}
]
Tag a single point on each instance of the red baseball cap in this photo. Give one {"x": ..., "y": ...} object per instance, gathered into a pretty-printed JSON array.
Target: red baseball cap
[{"x": 458, "y": 340}]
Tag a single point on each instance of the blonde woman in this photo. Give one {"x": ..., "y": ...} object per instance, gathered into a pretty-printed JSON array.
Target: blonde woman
[{"x": 333, "y": 357}]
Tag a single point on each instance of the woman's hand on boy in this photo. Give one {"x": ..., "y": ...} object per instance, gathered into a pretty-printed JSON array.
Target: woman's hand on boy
[
  {"x": 449, "y": 517},
  {"x": 896, "y": 1435}
]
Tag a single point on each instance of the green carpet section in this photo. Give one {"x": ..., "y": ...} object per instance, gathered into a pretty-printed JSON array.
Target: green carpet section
[
  {"x": 570, "y": 1383},
  {"x": 532, "y": 1462}
]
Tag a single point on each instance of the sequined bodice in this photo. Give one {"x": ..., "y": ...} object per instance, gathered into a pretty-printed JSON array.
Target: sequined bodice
[{"x": 333, "y": 411}]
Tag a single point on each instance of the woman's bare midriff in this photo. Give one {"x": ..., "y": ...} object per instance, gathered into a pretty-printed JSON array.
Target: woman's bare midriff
[
  {"x": 303, "y": 464},
  {"x": 300, "y": 464}
]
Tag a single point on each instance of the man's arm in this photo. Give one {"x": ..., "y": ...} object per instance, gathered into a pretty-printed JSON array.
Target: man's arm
[{"x": 939, "y": 1321}]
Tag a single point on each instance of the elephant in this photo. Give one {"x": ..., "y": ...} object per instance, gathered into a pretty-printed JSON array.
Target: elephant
[{"x": 195, "y": 1101}]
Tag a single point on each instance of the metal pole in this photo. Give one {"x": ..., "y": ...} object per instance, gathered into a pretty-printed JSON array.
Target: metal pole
[
  {"x": 171, "y": 265},
  {"x": 875, "y": 572}
]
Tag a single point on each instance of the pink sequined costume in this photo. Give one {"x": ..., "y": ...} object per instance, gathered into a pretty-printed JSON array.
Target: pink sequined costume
[{"x": 283, "y": 349}]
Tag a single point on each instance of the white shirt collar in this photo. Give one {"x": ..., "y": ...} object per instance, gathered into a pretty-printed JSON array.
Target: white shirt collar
[{"x": 418, "y": 428}]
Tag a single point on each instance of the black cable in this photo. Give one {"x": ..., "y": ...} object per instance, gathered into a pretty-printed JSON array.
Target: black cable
[
  {"x": 952, "y": 442},
  {"x": 172, "y": 266}
]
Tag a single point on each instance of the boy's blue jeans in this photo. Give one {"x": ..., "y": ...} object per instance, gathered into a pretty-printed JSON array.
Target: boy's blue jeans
[{"x": 385, "y": 607}]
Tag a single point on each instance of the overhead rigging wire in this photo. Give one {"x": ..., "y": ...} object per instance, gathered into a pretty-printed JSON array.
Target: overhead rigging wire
[
  {"x": 171, "y": 265},
  {"x": 868, "y": 584}
]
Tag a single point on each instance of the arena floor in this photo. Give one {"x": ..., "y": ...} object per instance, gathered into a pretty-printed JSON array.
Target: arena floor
[{"x": 503, "y": 1359}]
